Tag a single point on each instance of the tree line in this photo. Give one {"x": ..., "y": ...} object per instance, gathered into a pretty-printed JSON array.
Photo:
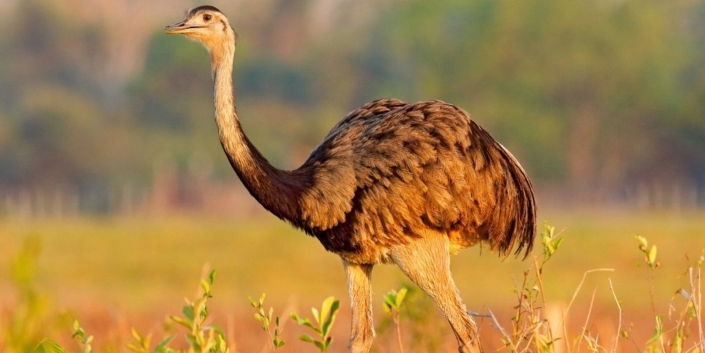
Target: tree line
[{"x": 600, "y": 100}]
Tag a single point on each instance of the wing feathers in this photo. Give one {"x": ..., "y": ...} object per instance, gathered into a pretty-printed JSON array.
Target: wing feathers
[{"x": 389, "y": 170}]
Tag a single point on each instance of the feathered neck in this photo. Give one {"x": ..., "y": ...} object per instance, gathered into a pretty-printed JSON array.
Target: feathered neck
[{"x": 277, "y": 190}]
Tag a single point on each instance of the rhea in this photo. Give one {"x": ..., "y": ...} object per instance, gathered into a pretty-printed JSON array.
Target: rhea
[{"x": 392, "y": 182}]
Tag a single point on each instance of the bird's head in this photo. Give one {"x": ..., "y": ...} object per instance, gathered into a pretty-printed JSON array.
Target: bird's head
[{"x": 206, "y": 25}]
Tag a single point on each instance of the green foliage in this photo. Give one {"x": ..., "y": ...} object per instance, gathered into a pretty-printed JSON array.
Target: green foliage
[
  {"x": 142, "y": 344},
  {"x": 324, "y": 322},
  {"x": 265, "y": 319},
  {"x": 532, "y": 329},
  {"x": 674, "y": 339},
  {"x": 649, "y": 253},
  {"x": 80, "y": 334},
  {"x": 26, "y": 326},
  {"x": 392, "y": 305},
  {"x": 48, "y": 346},
  {"x": 393, "y": 301},
  {"x": 49, "y": 132},
  {"x": 583, "y": 74},
  {"x": 546, "y": 62},
  {"x": 549, "y": 241},
  {"x": 423, "y": 331},
  {"x": 201, "y": 337}
]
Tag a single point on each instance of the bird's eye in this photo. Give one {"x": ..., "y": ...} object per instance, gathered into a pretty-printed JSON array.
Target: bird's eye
[{"x": 207, "y": 17}]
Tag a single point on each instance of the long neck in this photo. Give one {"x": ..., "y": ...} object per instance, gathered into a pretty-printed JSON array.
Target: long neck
[{"x": 275, "y": 189}]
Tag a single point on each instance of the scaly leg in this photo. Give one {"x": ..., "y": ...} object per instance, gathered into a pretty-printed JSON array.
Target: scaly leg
[
  {"x": 426, "y": 262},
  {"x": 362, "y": 330}
]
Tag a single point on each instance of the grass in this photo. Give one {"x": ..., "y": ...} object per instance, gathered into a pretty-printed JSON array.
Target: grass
[{"x": 113, "y": 271}]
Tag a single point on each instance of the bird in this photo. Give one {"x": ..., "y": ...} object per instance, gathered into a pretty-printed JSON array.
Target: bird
[{"x": 391, "y": 183}]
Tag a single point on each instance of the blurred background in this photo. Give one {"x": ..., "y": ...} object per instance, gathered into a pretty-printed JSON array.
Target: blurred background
[
  {"x": 109, "y": 155},
  {"x": 102, "y": 113}
]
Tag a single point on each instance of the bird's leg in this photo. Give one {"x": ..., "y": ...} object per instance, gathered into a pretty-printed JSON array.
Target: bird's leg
[
  {"x": 426, "y": 262},
  {"x": 362, "y": 329}
]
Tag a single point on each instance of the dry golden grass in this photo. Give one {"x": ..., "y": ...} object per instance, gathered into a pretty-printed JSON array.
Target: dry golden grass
[{"x": 114, "y": 273}]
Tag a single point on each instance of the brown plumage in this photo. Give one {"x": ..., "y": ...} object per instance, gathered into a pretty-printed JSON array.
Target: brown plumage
[{"x": 392, "y": 182}]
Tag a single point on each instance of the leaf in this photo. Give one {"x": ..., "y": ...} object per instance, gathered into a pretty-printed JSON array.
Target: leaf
[
  {"x": 331, "y": 318},
  {"x": 137, "y": 335},
  {"x": 161, "y": 346},
  {"x": 206, "y": 287},
  {"x": 188, "y": 312},
  {"x": 303, "y": 321},
  {"x": 327, "y": 307},
  {"x": 181, "y": 321},
  {"x": 299, "y": 320},
  {"x": 652, "y": 255},
  {"x": 78, "y": 331},
  {"x": 222, "y": 344},
  {"x": 316, "y": 316},
  {"x": 387, "y": 306},
  {"x": 400, "y": 297},
  {"x": 658, "y": 330},
  {"x": 204, "y": 312},
  {"x": 252, "y": 302},
  {"x": 389, "y": 301},
  {"x": 211, "y": 277},
  {"x": 643, "y": 243},
  {"x": 306, "y": 338},
  {"x": 48, "y": 346},
  {"x": 557, "y": 243}
]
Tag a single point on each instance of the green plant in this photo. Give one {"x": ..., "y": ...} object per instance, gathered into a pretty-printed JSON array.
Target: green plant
[
  {"x": 674, "y": 339},
  {"x": 649, "y": 253},
  {"x": 48, "y": 346},
  {"x": 30, "y": 320},
  {"x": 550, "y": 242},
  {"x": 421, "y": 315},
  {"x": 201, "y": 337},
  {"x": 84, "y": 339},
  {"x": 392, "y": 305},
  {"x": 142, "y": 344},
  {"x": 324, "y": 322},
  {"x": 679, "y": 331},
  {"x": 265, "y": 320},
  {"x": 194, "y": 320},
  {"x": 529, "y": 327}
]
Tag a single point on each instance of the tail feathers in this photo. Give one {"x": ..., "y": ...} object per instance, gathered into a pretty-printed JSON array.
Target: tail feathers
[{"x": 514, "y": 221}]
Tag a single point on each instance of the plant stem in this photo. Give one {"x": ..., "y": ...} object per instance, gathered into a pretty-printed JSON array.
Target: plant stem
[{"x": 396, "y": 323}]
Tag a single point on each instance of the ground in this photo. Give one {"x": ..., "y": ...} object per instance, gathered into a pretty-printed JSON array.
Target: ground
[{"x": 117, "y": 273}]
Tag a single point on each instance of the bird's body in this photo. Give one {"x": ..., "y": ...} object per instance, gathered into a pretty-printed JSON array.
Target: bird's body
[
  {"x": 390, "y": 170},
  {"x": 392, "y": 182}
]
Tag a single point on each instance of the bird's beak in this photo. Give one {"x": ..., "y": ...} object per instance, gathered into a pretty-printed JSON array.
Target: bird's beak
[{"x": 177, "y": 28}]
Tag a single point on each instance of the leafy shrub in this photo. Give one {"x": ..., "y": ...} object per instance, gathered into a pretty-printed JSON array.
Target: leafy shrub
[{"x": 324, "y": 322}]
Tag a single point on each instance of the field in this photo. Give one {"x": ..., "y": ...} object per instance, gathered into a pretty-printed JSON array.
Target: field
[{"x": 113, "y": 274}]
